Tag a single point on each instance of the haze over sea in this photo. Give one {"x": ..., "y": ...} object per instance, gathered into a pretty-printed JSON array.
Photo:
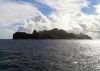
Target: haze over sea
[{"x": 49, "y": 55}]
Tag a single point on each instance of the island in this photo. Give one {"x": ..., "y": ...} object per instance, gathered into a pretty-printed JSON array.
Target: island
[{"x": 50, "y": 34}]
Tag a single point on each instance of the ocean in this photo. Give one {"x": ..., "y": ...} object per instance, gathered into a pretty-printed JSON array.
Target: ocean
[{"x": 49, "y": 55}]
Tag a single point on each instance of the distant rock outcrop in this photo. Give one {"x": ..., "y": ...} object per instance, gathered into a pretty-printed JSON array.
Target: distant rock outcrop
[{"x": 50, "y": 34}]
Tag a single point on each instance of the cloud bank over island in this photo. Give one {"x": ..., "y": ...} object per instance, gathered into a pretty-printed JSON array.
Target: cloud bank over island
[{"x": 25, "y": 16}]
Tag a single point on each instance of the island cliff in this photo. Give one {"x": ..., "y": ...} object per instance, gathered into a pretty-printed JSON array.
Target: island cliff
[{"x": 50, "y": 34}]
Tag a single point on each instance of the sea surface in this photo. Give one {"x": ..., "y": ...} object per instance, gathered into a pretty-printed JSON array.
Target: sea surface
[{"x": 49, "y": 55}]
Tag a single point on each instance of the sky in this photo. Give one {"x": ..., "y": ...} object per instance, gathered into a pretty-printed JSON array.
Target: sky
[{"x": 78, "y": 16}]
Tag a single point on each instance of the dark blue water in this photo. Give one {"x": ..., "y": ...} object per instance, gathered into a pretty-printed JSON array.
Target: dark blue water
[{"x": 49, "y": 55}]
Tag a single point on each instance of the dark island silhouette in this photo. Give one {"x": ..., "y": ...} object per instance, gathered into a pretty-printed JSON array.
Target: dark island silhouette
[{"x": 50, "y": 34}]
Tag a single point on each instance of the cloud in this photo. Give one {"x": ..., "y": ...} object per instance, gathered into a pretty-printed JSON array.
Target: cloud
[
  {"x": 97, "y": 8},
  {"x": 11, "y": 11},
  {"x": 64, "y": 17},
  {"x": 38, "y": 22},
  {"x": 66, "y": 6},
  {"x": 6, "y": 33},
  {"x": 67, "y": 13}
]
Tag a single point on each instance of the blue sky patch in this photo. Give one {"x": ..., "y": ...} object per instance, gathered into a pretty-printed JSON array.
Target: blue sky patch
[{"x": 91, "y": 9}]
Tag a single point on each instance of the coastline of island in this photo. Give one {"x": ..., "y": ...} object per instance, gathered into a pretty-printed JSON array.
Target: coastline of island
[{"x": 50, "y": 34}]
